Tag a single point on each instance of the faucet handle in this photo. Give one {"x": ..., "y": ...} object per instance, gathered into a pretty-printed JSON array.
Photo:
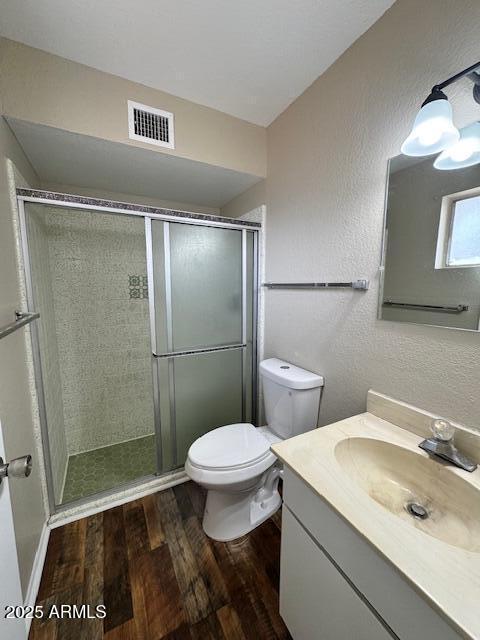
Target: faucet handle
[{"x": 442, "y": 430}]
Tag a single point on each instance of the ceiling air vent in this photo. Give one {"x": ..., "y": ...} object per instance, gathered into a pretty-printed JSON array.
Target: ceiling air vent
[{"x": 151, "y": 125}]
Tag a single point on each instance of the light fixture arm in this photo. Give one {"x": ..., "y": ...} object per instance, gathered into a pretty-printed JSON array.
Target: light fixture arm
[
  {"x": 434, "y": 131},
  {"x": 471, "y": 72},
  {"x": 475, "y": 78}
]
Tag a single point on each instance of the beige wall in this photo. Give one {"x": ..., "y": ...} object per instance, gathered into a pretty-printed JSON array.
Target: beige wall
[
  {"x": 247, "y": 201},
  {"x": 15, "y": 399},
  {"x": 46, "y": 89},
  {"x": 327, "y": 164}
]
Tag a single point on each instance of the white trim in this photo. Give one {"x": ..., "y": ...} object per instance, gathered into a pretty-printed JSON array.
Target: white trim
[
  {"x": 37, "y": 570},
  {"x": 108, "y": 502},
  {"x": 158, "y": 112}
]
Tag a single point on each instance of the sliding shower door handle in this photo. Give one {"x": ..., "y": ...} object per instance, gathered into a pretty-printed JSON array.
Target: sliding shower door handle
[
  {"x": 16, "y": 468},
  {"x": 193, "y": 352}
]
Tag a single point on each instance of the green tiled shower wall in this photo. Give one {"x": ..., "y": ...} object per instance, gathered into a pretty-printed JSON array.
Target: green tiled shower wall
[
  {"x": 52, "y": 382},
  {"x": 96, "y": 354}
]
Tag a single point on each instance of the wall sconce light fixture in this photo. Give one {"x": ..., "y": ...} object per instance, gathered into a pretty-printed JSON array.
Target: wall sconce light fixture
[{"x": 433, "y": 130}]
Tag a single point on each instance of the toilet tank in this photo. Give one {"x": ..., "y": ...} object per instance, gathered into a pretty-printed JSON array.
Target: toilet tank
[{"x": 291, "y": 396}]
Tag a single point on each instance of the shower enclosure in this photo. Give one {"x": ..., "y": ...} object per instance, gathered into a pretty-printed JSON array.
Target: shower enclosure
[{"x": 146, "y": 338}]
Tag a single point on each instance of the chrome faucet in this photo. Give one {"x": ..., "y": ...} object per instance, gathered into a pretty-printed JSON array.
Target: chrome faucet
[{"x": 441, "y": 445}]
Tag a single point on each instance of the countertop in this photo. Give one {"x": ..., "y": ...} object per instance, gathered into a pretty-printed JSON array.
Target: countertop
[{"x": 452, "y": 585}]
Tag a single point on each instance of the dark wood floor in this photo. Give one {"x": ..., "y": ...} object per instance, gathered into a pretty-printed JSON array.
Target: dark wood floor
[{"x": 159, "y": 576}]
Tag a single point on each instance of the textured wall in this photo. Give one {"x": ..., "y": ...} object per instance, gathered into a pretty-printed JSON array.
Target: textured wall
[
  {"x": 102, "y": 333},
  {"x": 52, "y": 381},
  {"x": 327, "y": 164},
  {"x": 249, "y": 200}
]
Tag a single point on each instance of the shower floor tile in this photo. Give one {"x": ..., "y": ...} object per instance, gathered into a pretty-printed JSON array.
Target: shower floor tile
[{"x": 108, "y": 467}]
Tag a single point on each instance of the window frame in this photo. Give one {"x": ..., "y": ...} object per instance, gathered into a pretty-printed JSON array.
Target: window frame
[{"x": 445, "y": 229}]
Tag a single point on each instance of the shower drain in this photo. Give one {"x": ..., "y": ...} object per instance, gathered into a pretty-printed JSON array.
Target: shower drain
[{"x": 416, "y": 510}]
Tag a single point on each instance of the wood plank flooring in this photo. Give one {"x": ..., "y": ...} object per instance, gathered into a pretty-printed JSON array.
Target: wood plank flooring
[{"x": 160, "y": 577}]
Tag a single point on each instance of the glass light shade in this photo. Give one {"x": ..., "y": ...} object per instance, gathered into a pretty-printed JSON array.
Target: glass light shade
[
  {"x": 433, "y": 130},
  {"x": 464, "y": 153}
]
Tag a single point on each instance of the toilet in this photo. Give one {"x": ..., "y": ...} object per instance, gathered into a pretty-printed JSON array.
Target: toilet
[{"x": 234, "y": 462}]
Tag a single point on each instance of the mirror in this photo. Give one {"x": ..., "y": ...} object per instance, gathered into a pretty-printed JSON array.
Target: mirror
[{"x": 431, "y": 248}]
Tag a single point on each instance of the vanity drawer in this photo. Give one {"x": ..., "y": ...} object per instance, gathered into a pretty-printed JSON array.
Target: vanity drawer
[
  {"x": 315, "y": 599},
  {"x": 402, "y": 608}
]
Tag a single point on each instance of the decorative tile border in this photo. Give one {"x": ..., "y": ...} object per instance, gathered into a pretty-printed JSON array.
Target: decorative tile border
[
  {"x": 128, "y": 206},
  {"x": 138, "y": 287}
]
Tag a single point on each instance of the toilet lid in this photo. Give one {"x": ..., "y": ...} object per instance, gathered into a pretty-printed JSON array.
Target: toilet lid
[{"x": 229, "y": 446}]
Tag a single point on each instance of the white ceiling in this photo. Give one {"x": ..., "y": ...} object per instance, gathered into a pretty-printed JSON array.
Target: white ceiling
[
  {"x": 249, "y": 58},
  {"x": 62, "y": 157}
]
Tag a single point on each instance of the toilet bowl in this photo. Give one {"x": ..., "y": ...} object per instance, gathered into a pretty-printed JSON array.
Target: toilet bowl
[{"x": 235, "y": 463}]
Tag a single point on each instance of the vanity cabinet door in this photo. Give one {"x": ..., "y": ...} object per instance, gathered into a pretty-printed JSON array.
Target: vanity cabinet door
[{"x": 316, "y": 601}]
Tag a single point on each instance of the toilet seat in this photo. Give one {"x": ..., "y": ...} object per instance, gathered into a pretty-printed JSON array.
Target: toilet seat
[
  {"x": 229, "y": 447},
  {"x": 228, "y": 455}
]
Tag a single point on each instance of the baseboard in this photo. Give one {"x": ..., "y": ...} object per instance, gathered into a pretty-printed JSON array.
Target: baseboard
[{"x": 37, "y": 570}]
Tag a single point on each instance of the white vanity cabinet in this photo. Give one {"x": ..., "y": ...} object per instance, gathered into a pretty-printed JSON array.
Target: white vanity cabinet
[
  {"x": 335, "y": 586},
  {"x": 315, "y": 599}
]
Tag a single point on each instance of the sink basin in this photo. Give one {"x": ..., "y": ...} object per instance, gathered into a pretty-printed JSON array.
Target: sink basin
[{"x": 420, "y": 491}]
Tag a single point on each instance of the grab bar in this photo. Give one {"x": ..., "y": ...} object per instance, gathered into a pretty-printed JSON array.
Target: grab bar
[
  {"x": 356, "y": 284},
  {"x": 426, "y": 307},
  {"x": 21, "y": 319}
]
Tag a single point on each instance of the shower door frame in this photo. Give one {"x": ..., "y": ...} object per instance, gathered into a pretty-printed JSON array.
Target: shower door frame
[
  {"x": 148, "y": 214},
  {"x": 171, "y": 354}
]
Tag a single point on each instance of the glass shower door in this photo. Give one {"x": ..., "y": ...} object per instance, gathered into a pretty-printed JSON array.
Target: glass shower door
[
  {"x": 86, "y": 275},
  {"x": 202, "y": 330}
]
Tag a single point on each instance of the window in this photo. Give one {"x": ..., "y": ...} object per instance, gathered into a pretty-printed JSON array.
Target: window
[
  {"x": 459, "y": 233},
  {"x": 464, "y": 245}
]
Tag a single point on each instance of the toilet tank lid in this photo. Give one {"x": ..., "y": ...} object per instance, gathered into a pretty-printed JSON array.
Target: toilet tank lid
[{"x": 289, "y": 375}]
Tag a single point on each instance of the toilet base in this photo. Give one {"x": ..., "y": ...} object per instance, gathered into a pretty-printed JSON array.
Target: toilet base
[{"x": 229, "y": 516}]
